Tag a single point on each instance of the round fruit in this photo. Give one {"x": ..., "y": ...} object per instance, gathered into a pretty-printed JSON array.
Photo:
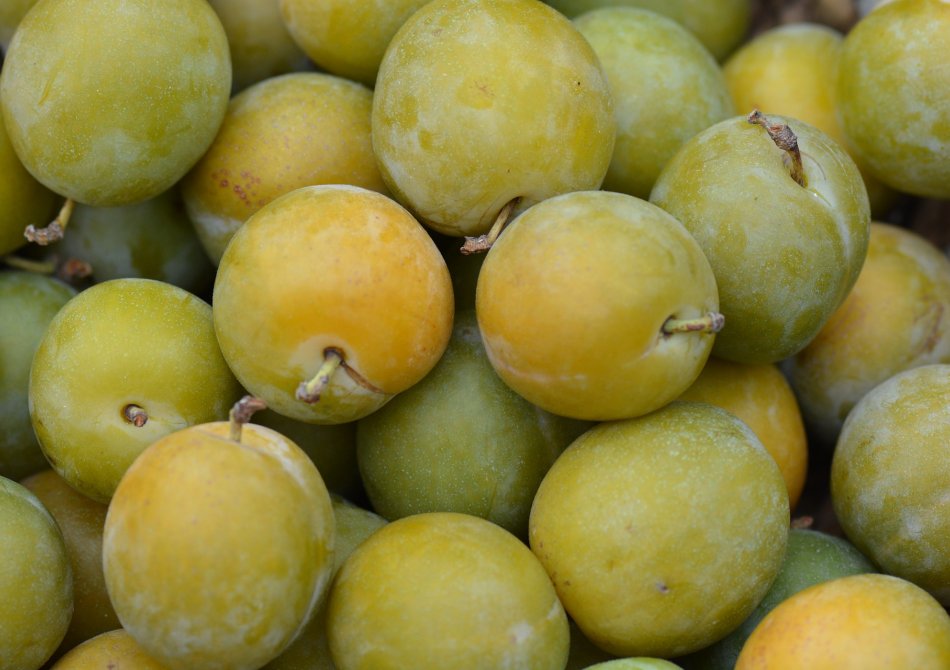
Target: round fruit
[
  {"x": 640, "y": 663},
  {"x": 479, "y": 103},
  {"x": 113, "y": 649},
  {"x": 11, "y": 13},
  {"x": 896, "y": 317},
  {"x": 665, "y": 85},
  {"x": 890, "y": 476},
  {"x": 577, "y": 299},
  {"x": 122, "y": 364},
  {"x": 34, "y": 300},
  {"x": 862, "y": 622},
  {"x": 36, "y": 583},
  {"x": 893, "y": 93},
  {"x": 444, "y": 590},
  {"x": 197, "y": 590},
  {"x": 329, "y": 301},
  {"x": 785, "y": 230},
  {"x": 111, "y": 102},
  {"x": 280, "y": 134},
  {"x": 642, "y": 527}
]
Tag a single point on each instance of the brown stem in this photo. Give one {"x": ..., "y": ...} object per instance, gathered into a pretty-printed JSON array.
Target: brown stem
[
  {"x": 802, "y": 522},
  {"x": 785, "y": 140},
  {"x": 135, "y": 415},
  {"x": 74, "y": 269},
  {"x": 241, "y": 413},
  {"x": 310, "y": 391},
  {"x": 484, "y": 242},
  {"x": 54, "y": 231},
  {"x": 711, "y": 323}
]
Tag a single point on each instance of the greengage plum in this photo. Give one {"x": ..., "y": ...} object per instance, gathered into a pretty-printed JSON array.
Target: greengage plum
[
  {"x": 861, "y": 622},
  {"x": 893, "y": 91},
  {"x": 719, "y": 24},
  {"x": 197, "y": 590},
  {"x": 460, "y": 441},
  {"x": 122, "y": 364},
  {"x": 785, "y": 230},
  {"x": 444, "y": 590},
  {"x": 662, "y": 533},
  {"x": 280, "y": 134},
  {"x": 112, "y": 650},
  {"x": 481, "y": 103},
  {"x": 329, "y": 301},
  {"x": 111, "y": 102},
  {"x": 36, "y": 583},
  {"x": 28, "y": 302},
  {"x": 260, "y": 45},
  {"x": 344, "y": 37},
  {"x": 582, "y": 303},
  {"x": 666, "y": 87},
  {"x": 639, "y": 663},
  {"x": 896, "y": 317},
  {"x": 890, "y": 478}
]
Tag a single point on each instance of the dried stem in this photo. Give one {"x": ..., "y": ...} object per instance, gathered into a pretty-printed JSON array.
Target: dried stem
[
  {"x": 310, "y": 391},
  {"x": 711, "y": 323},
  {"x": 135, "y": 415},
  {"x": 54, "y": 231},
  {"x": 241, "y": 413},
  {"x": 785, "y": 140},
  {"x": 484, "y": 242}
]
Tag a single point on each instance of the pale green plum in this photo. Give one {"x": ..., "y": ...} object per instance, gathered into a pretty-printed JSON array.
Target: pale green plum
[
  {"x": 479, "y": 103},
  {"x": 153, "y": 239},
  {"x": 890, "y": 475},
  {"x": 344, "y": 37},
  {"x": 122, "y": 364},
  {"x": 283, "y": 133},
  {"x": 444, "y": 590},
  {"x": 36, "y": 582},
  {"x": 23, "y": 200},
  {"x": 11, "y": 13},
  {"x": 662, "y": 533},
  {"x": 259, "y": 42},
  {"x": 218, "y": 546},
  {"x": 893, "y": 92},
  {"x": 460, "y": 441},
  {"x": 666, "y": 87},
  {"x": 895, "y": 318},
  {"x": 111, "y": 102},
  {"x": 785, "y": 254},
  {"x": 720, "y": 25},
  {"x": 81, "y": 521},
  {"x": 28, "y": 302},
  {"x": 575, "y": 301},
  {"x": 639, "y": 663},
  {"x": 811, "y": 557}
]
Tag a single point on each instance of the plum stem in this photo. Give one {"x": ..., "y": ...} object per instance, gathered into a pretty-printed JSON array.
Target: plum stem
[
  {"x": 135, "y": 415},
  {"x": 802, "y": 522},
  {"x": 241, "y": 413},
  {"x": 480, "y": 243},
  {"x": 711, "y": 323},
  {"x": 46, "y": 267},
  {"x": 785, "y": 140},
  {"x": 54, "y": 231},
  {"x": 310, "y": 391}
]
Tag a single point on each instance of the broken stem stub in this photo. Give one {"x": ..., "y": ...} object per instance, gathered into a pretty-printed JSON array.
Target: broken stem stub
[
  {"x": 241, "y": 413},
  {"x": 784, "y": 139},
  {"x": 135, "y": 415},
  {"x": 479, "y": 243},
  {"x": 310, "y": 391},
  {"x": 710, "y": 323},
  {"x": 54, "y": 231}
]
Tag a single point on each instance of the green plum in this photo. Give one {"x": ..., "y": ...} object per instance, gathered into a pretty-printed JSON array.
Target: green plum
[
  {"x": 111, "y": 102},
  {"x": 719, "y": 24},
  {"x": 785, "y": 230},
  {"x": 23, "y": 200},
  {"x": 344, "y": 37},
  {"x": 662, "y": 533},
  {"x": 484, "y": 103},
  {"x": 460, "y": 441},
  {"x": 36, "y": 582},
  {"x": 280, "y": 134},
  {"x": 666, "y": 87},
  {"x": 28, "y": 303},
  {"x": 810, "y": 558},
  {"x": 259, "y": 42},
  {"x": 639, "y": 663},
  {"x": 120, "y": 365},
  {"x": 893, "y": 92},
  {"x": 596, "y": 306},
  {"x": 890, "y": 476}
]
